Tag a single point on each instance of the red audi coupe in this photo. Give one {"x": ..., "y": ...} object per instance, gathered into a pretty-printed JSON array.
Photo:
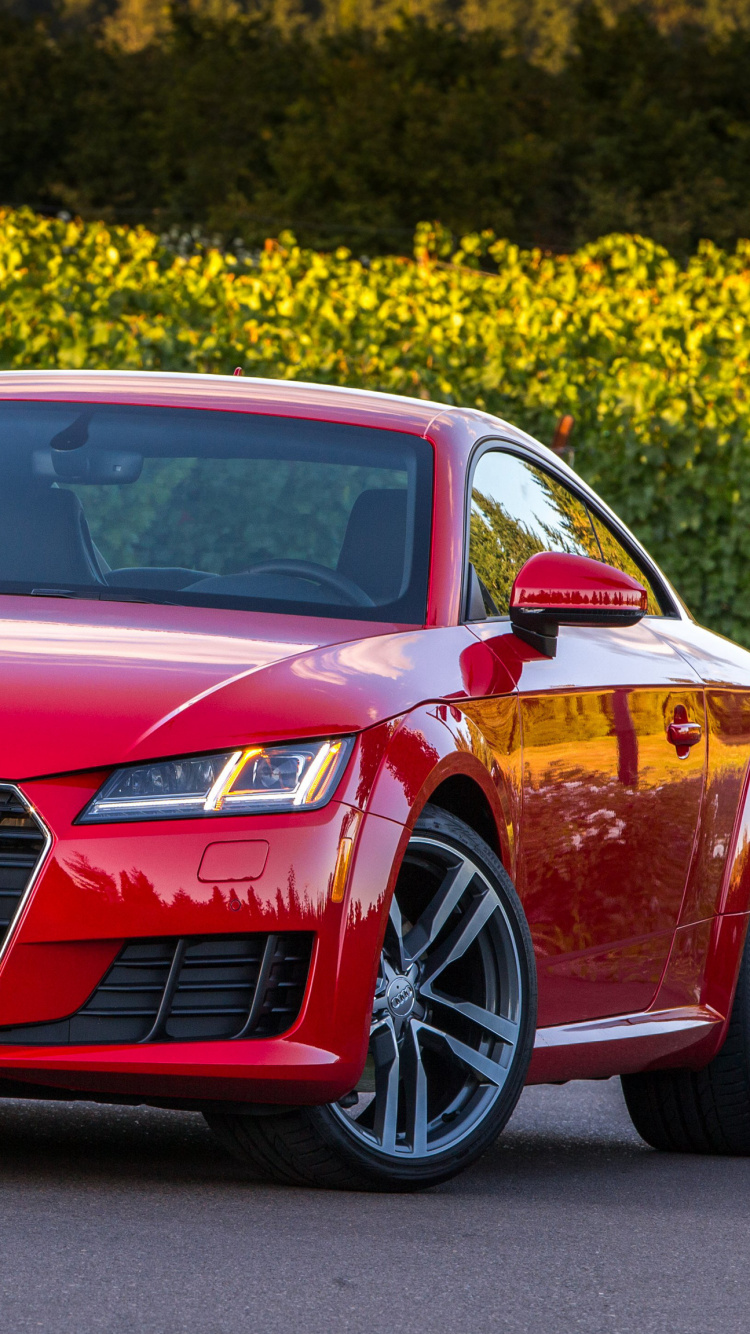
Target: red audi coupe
[{"x": 357, "y": 767}]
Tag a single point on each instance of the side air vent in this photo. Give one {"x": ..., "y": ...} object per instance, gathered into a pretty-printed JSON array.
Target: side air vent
[
  {"x": 189, "y": 989},
  {"x": 23, "y": 844}
]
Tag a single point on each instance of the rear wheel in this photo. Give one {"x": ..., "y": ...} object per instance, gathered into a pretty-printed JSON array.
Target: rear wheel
[
  {"x": 700, "y": 1111},
  {"x": 451, "y": 1037}
]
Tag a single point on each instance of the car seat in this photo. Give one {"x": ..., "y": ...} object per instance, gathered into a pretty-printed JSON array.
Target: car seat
[{"x": 44, "y": 537}]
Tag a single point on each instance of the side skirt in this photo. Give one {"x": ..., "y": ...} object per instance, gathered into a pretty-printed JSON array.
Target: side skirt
[{"x": 624, "y": 1044}]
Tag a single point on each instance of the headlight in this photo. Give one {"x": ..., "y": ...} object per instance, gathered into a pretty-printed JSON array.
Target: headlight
[{"x": 239, "y": 782}]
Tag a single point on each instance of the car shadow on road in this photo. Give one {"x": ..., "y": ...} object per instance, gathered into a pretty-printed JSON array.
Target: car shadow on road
[
  {"x": 45, "y": 1140},
  {"x": 563, "y": 1145}
]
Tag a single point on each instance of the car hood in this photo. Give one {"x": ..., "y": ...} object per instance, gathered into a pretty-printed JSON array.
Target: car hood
[
  {"x": 90, "y": 684},
  {"x": 85, "y": 684}
]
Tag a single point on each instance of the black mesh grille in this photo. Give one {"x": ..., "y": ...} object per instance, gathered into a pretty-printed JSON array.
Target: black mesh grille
[
  {"x": 189, "y": 989},
  {"x": 22, "y": 845}
]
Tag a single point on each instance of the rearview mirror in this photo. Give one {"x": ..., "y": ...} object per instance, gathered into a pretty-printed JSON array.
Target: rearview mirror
[
  {"x": 554, "y": 589},
  {"x": 97, "y": 467}
]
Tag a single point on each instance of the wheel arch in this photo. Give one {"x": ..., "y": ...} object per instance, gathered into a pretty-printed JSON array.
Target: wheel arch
[
  {"x": 438, "y": 755},
  {"x": 461, "y": 795}
]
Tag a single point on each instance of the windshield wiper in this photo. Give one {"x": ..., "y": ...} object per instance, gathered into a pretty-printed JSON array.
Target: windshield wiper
[
  {"x": 94, "y": 594},
  {"x": 60, "y": 593},
  {"x": 102, "y": 595}
]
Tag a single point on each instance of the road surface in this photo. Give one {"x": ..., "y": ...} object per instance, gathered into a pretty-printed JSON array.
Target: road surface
[{"x": 129, "y": 1220}]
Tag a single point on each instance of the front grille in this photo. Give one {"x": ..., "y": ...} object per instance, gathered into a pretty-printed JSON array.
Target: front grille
[
  {"x": 23, "y": 843},
  {"x": 189, "y": 989}
]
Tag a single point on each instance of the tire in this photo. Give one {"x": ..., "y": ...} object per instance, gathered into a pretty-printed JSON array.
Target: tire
[
  {"x": 700, "y": 1111},
  {"x": 452, "y": 1032}
]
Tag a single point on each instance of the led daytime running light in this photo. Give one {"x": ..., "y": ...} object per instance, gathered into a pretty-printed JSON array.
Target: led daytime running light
[
  {"x": 315, "y": 779},
  {"x": 231, "y": 771}
]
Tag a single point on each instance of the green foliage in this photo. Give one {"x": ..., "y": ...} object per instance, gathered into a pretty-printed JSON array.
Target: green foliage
[
  {"x": 242, "y": 127},
  {"x": 651, "y": 356}
]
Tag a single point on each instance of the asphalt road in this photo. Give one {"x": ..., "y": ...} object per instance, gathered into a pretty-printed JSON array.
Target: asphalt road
[{"x": 135, "y": 1220}]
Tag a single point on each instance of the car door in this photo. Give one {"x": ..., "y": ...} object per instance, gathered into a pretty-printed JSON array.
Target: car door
[{"x": 610, "y": 808}]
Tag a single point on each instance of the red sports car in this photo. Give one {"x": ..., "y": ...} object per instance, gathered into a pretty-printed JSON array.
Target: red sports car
[{"x": 357, "y": 767}]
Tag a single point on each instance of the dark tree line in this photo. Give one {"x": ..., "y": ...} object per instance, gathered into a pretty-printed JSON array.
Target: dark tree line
[{"x": 237, "y": 129}]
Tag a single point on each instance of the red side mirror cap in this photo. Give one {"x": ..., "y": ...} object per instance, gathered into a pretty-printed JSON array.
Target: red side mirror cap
[{"x": 554, "y": 589}]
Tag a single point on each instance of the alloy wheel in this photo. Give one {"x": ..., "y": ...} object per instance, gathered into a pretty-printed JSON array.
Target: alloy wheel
[{"x": 446, "y": 1019}]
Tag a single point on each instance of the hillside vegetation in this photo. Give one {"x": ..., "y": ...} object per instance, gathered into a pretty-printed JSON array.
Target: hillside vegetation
[{"x": 650, "y": 355}]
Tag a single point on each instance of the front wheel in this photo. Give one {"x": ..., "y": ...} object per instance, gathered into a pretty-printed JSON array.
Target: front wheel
[{"x": 451, "y": 1037}]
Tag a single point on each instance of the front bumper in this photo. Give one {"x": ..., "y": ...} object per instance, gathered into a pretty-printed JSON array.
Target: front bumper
[{"x": 103, "y": 885}]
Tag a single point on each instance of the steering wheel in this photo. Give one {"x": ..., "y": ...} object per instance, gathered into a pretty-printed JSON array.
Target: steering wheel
[{"x": 309, "y": 569}]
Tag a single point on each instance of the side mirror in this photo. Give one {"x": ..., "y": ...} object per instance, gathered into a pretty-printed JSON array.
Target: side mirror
[{"x": 554, "y": 589}]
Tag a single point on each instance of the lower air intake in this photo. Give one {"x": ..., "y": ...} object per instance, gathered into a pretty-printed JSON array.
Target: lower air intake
[
  {"x": 189, "y": 989},
  {"x": 23, "y": 844}
]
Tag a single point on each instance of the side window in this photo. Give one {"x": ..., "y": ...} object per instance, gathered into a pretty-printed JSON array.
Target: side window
[
  {"x": 614, "y": 553},
  {"x": 517, "y": 510}
]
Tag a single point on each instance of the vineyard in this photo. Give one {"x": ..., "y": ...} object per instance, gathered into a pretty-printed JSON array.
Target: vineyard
[{"x": 650, "y": 355}]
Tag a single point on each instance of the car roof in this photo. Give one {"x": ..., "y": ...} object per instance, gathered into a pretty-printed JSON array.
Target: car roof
[
  {"x": 292, "y": 398},
  {"x": 185, "y": 386}
]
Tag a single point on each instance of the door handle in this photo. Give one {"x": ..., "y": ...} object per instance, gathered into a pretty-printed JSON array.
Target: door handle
[{"x": 683, "y": 734}]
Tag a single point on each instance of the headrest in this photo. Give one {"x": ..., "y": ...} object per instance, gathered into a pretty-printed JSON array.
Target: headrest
[{"x": 372, "y": 553}]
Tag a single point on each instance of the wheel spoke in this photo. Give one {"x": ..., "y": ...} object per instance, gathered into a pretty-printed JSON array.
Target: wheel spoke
[
  {"x": 394, "y": 935},
  {"x": 506, "y": 1029},
  {"x": 461, "y": 937},
  {"x": 385, "y": 1052},
  {"x": 431, "y": 922},
  {"x": 415, "y": 1090},
  {"x": 489, "y": 1072}
]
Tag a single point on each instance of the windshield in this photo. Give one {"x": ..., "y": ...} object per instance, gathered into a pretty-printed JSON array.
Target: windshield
[{"x": 214, "y": 508}]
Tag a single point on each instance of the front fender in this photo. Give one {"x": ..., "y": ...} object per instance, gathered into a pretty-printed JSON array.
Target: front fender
[{"x": 477, "y": 739}]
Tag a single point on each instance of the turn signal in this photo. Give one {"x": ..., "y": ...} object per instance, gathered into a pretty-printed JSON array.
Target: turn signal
[{"x": 338, "y": 884}]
